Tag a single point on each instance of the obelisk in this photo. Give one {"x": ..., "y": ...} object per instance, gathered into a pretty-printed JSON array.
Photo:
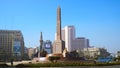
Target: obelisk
[
  {"x": 58, "y": 45},
  {"x": 58, "y": 23}
]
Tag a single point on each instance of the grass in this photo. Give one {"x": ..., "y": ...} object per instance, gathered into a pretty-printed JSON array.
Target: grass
[
  {"x": 63, "y": 64},
  {"x": 66, "y": 64}
]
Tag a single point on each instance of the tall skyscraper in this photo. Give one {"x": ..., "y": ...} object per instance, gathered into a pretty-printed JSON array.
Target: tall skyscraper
[
  {"x": 68, "y": 35},
  {"x": 11, "y": 44},
  {"x": 72, "y": 43},
  {"x": 58, "y": 45}
]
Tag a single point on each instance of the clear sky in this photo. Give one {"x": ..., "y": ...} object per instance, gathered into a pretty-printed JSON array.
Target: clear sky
[{"x": 97, "y": 20}]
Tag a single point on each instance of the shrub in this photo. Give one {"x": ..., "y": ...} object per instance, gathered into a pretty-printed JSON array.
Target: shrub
[
  {"x": 51, "y": 58},
  {"x": 65, "y": 64},
  {"x": 22, "y": 65},
  {"x": 54, "y": 58}
]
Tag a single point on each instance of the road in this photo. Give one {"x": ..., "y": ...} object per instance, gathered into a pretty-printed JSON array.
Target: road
[{"x": 18, "y": 62}]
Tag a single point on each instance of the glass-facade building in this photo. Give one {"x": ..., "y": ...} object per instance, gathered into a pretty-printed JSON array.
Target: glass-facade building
[
  {"x": 48, "y": 46},
  {"x": 11, "y": 44}
]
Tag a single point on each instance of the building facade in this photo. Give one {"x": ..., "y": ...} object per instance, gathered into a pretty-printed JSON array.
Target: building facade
[
  {"x": 48, "y": 46},
  {"x": 94, "y": 52},
  {"x": 72, "y": 43},
  {"x": 68, "y": 35},
  {"x": 11, "y": 43},
  {"x": 118, "y": 54},
  {"x": 80, "y": 43},
  {"x": 31, "y": 52}
]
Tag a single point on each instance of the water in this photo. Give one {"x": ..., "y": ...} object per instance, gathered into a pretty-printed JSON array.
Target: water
[{"x": 116, "y": 66}]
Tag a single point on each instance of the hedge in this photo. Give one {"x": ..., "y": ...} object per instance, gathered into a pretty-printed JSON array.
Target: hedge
[{"x": 65, "y": 64}]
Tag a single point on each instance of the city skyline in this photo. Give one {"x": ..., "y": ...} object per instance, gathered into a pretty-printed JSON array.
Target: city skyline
[{"x": 96, "y": 20}]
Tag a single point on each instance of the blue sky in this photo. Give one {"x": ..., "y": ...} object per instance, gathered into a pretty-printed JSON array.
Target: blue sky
[{"x": 97, "y": 20}]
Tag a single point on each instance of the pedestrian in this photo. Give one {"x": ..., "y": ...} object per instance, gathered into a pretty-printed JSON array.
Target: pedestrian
[
  {"x": 94, "y": 62},
  {"x": 11, "y": 62}
]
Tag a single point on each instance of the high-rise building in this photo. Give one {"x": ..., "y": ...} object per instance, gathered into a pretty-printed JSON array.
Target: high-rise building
[
  {"x": 80, "y": 43},
  {"x": 72, "y": 43},
  {"x": 11, "y": 43},
  {"x": 63, "y": 34},
  {"x": 58, "y": 45},
  {"x": 68, "y": 35}
]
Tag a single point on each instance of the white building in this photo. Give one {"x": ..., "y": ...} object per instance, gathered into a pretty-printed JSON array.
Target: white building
[
  {"x": 72, "y": 43},
  {"x": 95, "y": 52},
  {"x": 118, "y": 54},
  {"x": 69, "y": 37}
]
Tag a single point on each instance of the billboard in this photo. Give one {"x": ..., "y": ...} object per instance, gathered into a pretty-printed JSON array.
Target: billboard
[
  {"x": 47, "y": 46},
  {"x": 17, "y": 47}
]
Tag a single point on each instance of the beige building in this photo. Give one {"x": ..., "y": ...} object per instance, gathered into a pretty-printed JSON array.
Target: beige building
[
  {"x": 95, "y": 52},
  {"x": 31, "y": 52}
]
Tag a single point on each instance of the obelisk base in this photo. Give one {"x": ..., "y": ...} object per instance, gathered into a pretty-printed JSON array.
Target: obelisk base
[{"x": 58, "y": 47}]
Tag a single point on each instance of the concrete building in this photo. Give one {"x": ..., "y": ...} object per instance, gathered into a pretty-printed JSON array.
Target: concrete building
[
  {"x": 37, "y": 49},
  {"x": 63, "y": 34},
  {"x": 11, "y": 43},
  {"x": 25, "y": 50},
  {"x": 118, "y": 54},
  {"x": 95, "y": 52},
  {"x": 80, "y": 43},
  {"x": 68, "y": 35},
  {"x": 72, "y": 43},
  {"x": 31, "y": 52}
]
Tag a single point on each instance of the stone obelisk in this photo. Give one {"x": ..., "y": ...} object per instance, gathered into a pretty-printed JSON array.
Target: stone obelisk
[
  {"x": 58, "y": 23},
  {"x": 58, "y": 45}
]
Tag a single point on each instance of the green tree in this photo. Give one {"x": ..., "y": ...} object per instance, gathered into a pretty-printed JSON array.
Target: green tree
[
  {"x": 43, "y": 53},
  {"x": 54, "y": 58},
  {"x": 51, "y": 58}
]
